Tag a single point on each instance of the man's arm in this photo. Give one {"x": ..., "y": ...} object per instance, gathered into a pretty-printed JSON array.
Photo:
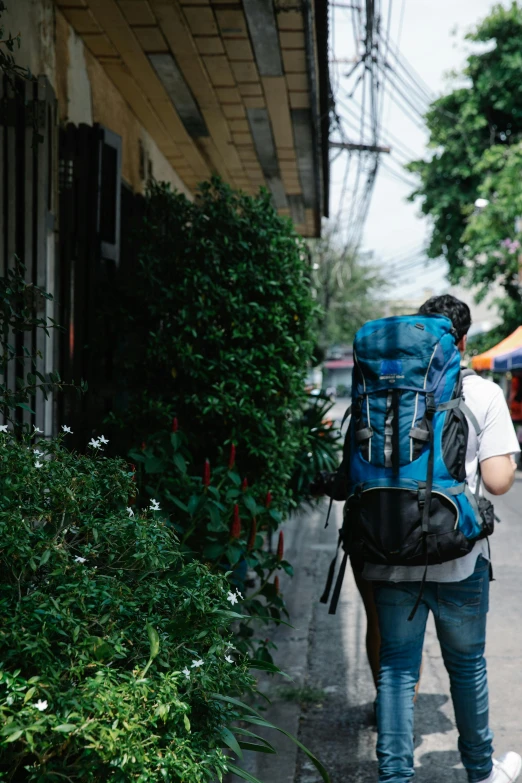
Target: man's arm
[
  {"x": 498, "y": 473},
  {"x": 497, "y": 444}
]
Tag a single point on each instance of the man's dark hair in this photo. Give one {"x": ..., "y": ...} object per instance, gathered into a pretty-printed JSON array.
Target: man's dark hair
[{"x": 458, "y": 312}]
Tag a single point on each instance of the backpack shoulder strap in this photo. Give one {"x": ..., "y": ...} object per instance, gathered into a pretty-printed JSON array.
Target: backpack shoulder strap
[
  {"x": 459, "y": 402},
  {"x": 347, "y": 413},
  {"x": 466, "y": 410}
]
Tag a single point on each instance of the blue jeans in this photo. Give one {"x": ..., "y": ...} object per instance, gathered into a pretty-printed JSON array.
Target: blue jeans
[{"x": 460, "y": 610}]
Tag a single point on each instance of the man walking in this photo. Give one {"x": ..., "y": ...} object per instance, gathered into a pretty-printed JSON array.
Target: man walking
[{"x": 409, "y": 519}]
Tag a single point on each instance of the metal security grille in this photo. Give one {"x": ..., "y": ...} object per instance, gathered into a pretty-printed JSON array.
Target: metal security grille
[
  {"x": 90, "y": 219},
  {"x": 27, "y": 219}
]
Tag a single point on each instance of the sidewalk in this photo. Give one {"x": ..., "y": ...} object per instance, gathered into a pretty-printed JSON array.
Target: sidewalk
[{"x": 330, "y": 701}]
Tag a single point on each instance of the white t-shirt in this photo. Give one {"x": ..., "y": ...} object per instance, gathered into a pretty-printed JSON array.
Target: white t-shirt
[{"x": 486, "y": 400}]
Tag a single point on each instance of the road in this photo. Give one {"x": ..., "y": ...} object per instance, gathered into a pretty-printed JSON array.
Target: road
[{"x": 329, "y": 703}]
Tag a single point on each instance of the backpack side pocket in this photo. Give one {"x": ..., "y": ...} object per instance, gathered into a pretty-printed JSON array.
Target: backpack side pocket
[{"x": 487, "y": 517}]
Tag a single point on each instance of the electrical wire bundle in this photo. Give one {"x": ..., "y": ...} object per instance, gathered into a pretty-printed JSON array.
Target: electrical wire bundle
[{"x": 379, "y": 77}]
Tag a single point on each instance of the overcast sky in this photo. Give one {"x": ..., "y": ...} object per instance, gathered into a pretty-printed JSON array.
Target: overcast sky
[{"x": 394, "y": 228}]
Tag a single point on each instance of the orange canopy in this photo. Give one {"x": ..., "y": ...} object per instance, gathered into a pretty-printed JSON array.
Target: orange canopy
[{"x": 484, "y": 361}]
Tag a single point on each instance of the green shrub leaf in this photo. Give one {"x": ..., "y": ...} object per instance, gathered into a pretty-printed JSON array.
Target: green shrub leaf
[
  {"x": 154, "y": 641},
  {"x": 231, "y": 742},
  {"x": 242, "y": 773},
  {"x": 256, "y": 747}
]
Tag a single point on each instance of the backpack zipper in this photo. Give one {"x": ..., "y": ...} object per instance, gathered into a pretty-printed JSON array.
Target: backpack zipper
[{"x": 434, "y": 492}]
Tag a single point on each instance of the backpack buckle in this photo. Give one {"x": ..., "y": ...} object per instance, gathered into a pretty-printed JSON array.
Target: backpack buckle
[{"x": 431, "y": 407}]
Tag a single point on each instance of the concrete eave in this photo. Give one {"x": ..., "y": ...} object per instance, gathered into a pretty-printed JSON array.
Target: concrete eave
[{"x": 235, "y": 88}]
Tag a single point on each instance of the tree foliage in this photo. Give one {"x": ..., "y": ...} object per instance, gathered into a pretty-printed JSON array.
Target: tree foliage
[
  {"x": 475, "y": 133},
  {"x": 347, "y": 289}
]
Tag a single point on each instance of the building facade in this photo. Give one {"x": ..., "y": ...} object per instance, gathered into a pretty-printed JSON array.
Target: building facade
[{"x": 131, "y": 90}]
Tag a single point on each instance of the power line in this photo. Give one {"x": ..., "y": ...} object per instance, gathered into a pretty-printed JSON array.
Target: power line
[
  {"x": 395, "y": 141},
  {"x": 405, "y": 254},
  {"x": 359, "y": 162},
  {"x": 415, "y": 260},
  {"x": 406, "y": 66},
  {"x": 417, "y": 266},
  {"x": 396, "y": 149},
  {"x": 399, "y": 38},
  {"x": 404, "y": 90},
  {"x": 409, "y": 89},
  {"x": 402, "y": 105},
  {"x": 369, "y": 119},
  {"x": 411, "y": 183},
  {"x": 387, "y": 44},
  {"x": 343, "y": 188},
  {"x": 359, "y": 147}
]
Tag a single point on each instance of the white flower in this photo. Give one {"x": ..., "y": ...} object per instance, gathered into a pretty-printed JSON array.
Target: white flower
[
  {"x": 67, "y": 429},
  {"x": 41, "y": 705},
  {"x": 186, "y": 672},
  {"x": 3, "y": 427},
  {"x": 154, "y": 505},
  {"x": 196, "y": 663},
  {"x": 79, "y": 559},
  {"x": 103, "y": 439},
  {"x": 228, "y": 659},
  {"x": 94, "y": 443},
  {"x": 130, "y": 512},
  {"x": 232, "y": 597},
  {"x": 37, "y": 453},
  {"x": 38, "y": 464},
  {"x": 37, "y": 429},
  {"x": 239, "y": 594}
]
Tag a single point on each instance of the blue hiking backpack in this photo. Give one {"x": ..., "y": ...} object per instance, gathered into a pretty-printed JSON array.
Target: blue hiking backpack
[{"x": 403, "y": 473}]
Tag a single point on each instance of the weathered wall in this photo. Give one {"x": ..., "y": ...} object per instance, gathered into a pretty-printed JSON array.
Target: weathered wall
[
  {"x": 34, "y": 20},
  {"x": 84, "y": 91}
]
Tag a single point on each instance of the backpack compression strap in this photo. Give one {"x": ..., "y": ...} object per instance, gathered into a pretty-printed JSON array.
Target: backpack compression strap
[
  {"x": 431, "y": 409},
  {"x": 339, "y": 476},
  {"x": 331, "y": 571}
]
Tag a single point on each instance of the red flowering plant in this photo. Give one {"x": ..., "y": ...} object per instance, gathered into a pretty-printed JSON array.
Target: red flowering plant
[{"x": 220, "y": 519}]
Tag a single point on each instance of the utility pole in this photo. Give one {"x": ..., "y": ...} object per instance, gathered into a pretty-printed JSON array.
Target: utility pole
[{"x": 343, "y": 145}]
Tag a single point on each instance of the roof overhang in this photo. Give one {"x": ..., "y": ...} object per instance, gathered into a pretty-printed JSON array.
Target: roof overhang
[{"x": 238, "y": 88}]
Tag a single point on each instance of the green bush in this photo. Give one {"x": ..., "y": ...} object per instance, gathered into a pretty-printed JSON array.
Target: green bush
[
  {"x": 321, "y": 446},
  {"x": 221, "y": 330},
  {"x": 116, "y": 659},
  {"x": 221, "y": 520},
  {"x": 115, "y": 654}
]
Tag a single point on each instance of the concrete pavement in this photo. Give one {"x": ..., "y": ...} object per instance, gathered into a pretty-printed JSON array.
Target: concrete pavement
[{"x": 329, "y": 704}]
